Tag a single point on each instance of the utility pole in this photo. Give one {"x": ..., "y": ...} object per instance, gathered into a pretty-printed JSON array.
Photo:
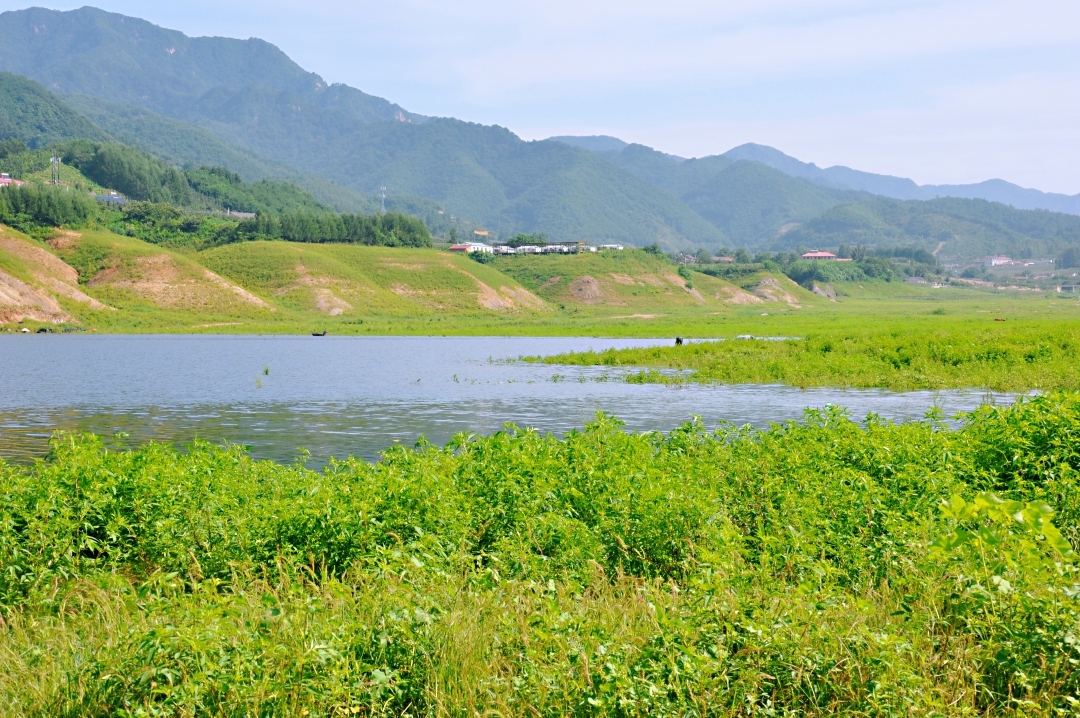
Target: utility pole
[
  {"x": 382, "y": 190},
  {"x": 55, "y": 168}
]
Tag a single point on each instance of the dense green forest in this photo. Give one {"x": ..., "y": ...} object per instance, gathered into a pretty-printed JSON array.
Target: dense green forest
[
  {"x": 182, "y": 144},
  {"x": 389, "y": 230},
  {"x": 32, "y": 207},
  {"x": 31, "y": 113},
  {"x": 140, "y": 176},
  {"x": 173, "y": 227},
  {"x": 181, "y": 207}
]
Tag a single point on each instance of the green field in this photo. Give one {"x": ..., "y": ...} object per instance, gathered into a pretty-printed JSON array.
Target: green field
[{"x": 820, "y": 568}]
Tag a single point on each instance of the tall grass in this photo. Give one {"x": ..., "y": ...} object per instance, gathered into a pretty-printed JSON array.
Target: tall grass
[
  {"x": 998, "y": 359},
  {"x": 808, "y": 569}
]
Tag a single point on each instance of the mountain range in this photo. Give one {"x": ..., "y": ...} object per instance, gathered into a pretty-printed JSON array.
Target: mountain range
[
  {"x": 245, "y": 105},
  {"x": 839, "y": 177}
]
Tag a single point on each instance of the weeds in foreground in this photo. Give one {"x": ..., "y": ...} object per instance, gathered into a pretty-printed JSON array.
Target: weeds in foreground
[{"x": 809, "y": 569}]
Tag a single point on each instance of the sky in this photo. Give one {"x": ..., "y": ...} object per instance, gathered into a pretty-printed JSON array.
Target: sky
[{"x": 941, "y": 91}]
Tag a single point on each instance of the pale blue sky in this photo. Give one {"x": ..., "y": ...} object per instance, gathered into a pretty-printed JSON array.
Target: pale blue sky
[{"x": 942, "y": 91}]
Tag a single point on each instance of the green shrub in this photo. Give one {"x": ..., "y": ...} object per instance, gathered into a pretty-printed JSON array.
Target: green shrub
[{"x": 816, "y": 568}]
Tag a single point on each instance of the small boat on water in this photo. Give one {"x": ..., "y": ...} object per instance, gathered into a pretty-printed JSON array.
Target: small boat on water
[{"x": 319, "y": 334}]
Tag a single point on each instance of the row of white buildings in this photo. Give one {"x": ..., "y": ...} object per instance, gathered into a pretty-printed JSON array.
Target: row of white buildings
[{"x": 570, "y": 248}]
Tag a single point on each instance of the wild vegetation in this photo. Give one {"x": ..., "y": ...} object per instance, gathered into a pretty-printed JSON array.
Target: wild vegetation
[
  {"x": 35, "y": 207},
  {"x": 820, "y": 568},
  {"x": 995, "y": 358}
]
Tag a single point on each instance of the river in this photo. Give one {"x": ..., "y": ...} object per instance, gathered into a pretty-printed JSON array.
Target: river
[{"x": 340, "y": 396}]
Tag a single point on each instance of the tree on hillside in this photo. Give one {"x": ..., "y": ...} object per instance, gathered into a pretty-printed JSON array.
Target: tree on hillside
[{"x": 1069, "y": 258}]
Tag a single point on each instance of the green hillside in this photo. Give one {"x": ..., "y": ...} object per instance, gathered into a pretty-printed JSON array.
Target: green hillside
[
  {"x": 228, "y": 190},
  {"x": 676, "y": 176},
  {"x": 484, "y": 173},
  {"x": 30, "y": 113},
  {"x": 98, "y": 167},
  {"x": 753, "y": 203},
  {"x": 184, "y": 144},
  {"x": 947, "y": 226}
]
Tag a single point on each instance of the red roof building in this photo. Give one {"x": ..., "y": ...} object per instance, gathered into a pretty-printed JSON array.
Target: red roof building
[{"x": 819, "y": 255}]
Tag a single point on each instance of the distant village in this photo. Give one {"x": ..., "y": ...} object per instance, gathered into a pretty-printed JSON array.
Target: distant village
[{"x": 528, "y": 247}]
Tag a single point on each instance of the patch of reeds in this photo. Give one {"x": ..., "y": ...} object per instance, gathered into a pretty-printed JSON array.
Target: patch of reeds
[{"x": 994, "y": 359}]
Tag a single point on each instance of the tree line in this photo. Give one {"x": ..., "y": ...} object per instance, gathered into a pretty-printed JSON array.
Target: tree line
[
  {"x": 391, "y": 229},
  {"x": 32, "y": 206}
]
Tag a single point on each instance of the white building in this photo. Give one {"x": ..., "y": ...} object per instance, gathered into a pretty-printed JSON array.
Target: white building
[
  {"x": 467, "y": 247},
  {"x": 611, "y": 246}
]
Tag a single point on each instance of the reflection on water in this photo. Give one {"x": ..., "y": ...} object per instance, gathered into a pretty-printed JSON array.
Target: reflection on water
[{"x": 338, "y": 396}]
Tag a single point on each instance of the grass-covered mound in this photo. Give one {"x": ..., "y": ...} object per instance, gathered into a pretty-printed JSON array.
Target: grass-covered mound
[{"x": 808, "y": 569}]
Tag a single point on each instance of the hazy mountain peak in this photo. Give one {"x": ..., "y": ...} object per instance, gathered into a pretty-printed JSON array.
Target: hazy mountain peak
[
  {"x": 134, "y": 62},
  {"x": 841, "y": 177},
  {"x": 593, "y": 143}
]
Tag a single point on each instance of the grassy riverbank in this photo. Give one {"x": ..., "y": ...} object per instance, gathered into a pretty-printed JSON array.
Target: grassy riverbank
[
  {"x": 807, "y": 569},
  {"x": 94, "y": 280}
]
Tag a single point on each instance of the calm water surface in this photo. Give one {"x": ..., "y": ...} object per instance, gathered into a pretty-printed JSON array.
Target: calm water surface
[{"x": 340, "y": 396}]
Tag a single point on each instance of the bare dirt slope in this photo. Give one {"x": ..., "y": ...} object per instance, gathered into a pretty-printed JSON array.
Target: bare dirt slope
[
  {"x": 35, "y": 284},
  {"x": 125, "y": 272}
]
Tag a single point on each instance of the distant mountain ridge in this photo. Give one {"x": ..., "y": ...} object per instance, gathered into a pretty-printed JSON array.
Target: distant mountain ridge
[
  {"x": 245, "y": 105},
  {"x": 845, "y": 178},
  {"x": 994, "y": 190}
]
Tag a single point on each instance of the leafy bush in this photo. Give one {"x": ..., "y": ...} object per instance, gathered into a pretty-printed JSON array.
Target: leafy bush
[
  {"x": 805, "y": 272},
  {"x": 817, "y": 568}
]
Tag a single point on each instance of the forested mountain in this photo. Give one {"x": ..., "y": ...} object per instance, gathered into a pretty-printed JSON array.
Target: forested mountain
[
  {"x": 994, "y": 190},
  {"x": 251, "y": 94},
  {"x": 134, "y": 62},
  {"x": 593, "y": 143},
  {"x": 955, "y": 226},
  {"x": 644, "y": 160},
  {"x": 748, "y": 201},
  {"x": 30, "y": 113},
  {"x": 183, "y": 144},
  {"x": 244, "y": 105},
  {"x": 757, "y": 203}
]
